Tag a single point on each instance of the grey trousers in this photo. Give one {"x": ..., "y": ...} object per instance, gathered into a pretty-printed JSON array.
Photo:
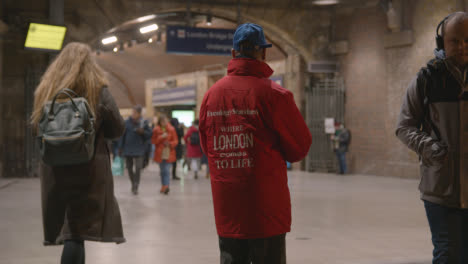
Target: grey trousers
[
  {"x": 134, "y": 174},
  {"x": 271, "y": 250}
]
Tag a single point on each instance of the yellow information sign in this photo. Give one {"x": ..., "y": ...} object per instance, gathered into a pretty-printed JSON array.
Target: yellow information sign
[{"x": 47, "y": 37}]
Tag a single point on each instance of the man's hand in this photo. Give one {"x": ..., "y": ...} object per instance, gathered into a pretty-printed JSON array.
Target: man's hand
[
  {"x": 439, "y": 151},
  {"x": 436, "y": 151}
]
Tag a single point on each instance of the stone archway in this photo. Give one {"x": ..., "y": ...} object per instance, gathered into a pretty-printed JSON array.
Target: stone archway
[{"x": 295, "y": 53}]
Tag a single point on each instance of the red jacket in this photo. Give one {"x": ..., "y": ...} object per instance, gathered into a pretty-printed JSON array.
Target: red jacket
[
  {"x": 193, "y": 151},
  {"x": 249, "y": 127},
  {"x": 158, "y": 140}
]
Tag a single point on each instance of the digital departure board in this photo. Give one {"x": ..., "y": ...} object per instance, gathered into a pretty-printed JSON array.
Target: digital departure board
[{"x": 45, "y": 37}]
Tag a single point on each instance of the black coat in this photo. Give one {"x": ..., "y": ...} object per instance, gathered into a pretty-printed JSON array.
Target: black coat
[{"x": 78, "y": 201}]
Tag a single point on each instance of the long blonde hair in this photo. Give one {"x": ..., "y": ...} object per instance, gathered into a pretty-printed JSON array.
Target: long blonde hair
[{"x": 74, "y": 68}]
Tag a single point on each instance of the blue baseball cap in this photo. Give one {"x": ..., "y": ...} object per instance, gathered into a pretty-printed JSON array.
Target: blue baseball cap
[{"x": 252, "y": 33}]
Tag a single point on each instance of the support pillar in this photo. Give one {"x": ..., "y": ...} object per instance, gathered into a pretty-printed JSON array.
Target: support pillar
[
  {"x": 295, "y": 82},
  {"x": 2, "y": 127}
]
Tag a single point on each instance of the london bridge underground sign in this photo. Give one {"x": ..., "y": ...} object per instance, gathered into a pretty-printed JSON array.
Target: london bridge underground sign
[{"x": 202, "y": 41}]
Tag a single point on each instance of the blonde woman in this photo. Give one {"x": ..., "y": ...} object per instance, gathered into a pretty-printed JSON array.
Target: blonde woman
[{"x": 78, "y": 201}]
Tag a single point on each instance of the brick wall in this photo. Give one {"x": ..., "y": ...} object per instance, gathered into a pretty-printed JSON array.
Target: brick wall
[{"x": 376, "y": 79}]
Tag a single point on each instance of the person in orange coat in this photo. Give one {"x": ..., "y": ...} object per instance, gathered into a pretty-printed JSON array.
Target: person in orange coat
[{"x": 165, "y": 140}]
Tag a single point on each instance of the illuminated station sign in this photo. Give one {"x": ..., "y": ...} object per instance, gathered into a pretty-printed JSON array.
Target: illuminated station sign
[{"x": 45, "y": 37}]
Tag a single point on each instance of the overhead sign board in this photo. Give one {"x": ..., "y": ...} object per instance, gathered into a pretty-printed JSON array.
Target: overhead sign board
[
  {"x": 185, "y": 95},
  {"x": 45, "y": 37},
  {"x": 203, "y": 41}
]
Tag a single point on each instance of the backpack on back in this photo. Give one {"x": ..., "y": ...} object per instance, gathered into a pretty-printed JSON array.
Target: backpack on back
[
  {"x": 195, "y": 138},
  {"x": 67, "y": 130}
]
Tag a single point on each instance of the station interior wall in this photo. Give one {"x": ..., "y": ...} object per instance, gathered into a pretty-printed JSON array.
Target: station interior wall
[{"x": 377, "y": 66}]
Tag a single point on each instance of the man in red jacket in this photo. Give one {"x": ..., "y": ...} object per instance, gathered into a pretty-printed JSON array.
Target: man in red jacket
[{"x": 249, "y": 127}]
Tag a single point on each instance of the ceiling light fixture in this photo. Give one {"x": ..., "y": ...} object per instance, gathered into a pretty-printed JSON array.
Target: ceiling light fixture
[
  {"x": 150, "y": 40},
  {"x": 115, "y": 49},
  {"x": 150, "y": 28},
  {"x": 146, "y": 18},
  {"x": 109, "y": 40},
  {"x": 325, "y": 2}
]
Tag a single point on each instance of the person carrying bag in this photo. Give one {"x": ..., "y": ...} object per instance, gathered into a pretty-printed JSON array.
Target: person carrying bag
[{"x": 73, "y": 116}]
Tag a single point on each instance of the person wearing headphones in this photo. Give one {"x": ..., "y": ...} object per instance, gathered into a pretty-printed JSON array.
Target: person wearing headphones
[{"x": 433, "y": 122}]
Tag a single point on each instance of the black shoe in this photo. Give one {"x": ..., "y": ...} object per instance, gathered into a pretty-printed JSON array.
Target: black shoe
[
  {"x": 134, "y": 189},
  {"x": 166, "y": 192},
  {"x": 196, "y": 176},
  {"x": 176, "y": 178}
]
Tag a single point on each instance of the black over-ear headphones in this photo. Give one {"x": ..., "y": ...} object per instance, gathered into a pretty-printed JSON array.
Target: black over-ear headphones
[{"x": 440, "y": 38}]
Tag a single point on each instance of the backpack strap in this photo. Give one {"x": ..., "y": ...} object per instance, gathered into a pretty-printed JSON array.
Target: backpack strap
[
  {"x": 70, "y": 92},
  {"x": 51, "y": 111},
  {"x": 423, "y": 77}
]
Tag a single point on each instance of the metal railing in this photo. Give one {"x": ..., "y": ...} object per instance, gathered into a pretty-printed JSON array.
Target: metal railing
[{"x": 325, "y": 98}]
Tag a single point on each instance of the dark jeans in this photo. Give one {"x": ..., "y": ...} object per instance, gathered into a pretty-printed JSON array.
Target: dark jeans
[
  {"x": 134, "y": 174},
  {"x": 449, "y": 228},
  {"x": 174, "y": 170},
  {"x": 73, "y": 252},
  {"x": 270, "y": 250},
  {"x": 342, "y": 161}
]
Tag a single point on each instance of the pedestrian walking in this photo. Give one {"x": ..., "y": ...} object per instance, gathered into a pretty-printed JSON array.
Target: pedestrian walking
[
  {"x": 432, "y": 123},
  {"x": 134, "y": 144},
  {"x": 78, "y": 201},
  {"x": 194, "y": 151},
  {"x": 165, "y": 141}
]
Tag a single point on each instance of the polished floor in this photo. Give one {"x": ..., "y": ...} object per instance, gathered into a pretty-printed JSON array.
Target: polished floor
[{"x": 336, "y": 219}]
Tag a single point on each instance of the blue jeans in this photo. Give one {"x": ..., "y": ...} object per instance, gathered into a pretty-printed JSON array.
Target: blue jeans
[
  {"x": 449, "y": 228},
  {"x": 165, "y": 168},
  {"x": 342, "y": 161}
]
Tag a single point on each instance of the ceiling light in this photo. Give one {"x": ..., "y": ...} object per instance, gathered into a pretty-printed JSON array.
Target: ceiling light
[
  {"x": 152, "y": 27},
  {"x": 150, "y": 40},
  {"x": 146, "y": 18},
  {"x": 109, "y": 40},
  {"x": 325, "y": 2},
  {"x": 116, "y": 49}
]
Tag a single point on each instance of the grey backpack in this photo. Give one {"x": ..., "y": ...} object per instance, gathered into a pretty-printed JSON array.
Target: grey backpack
[{"x": 66, "y": 130}]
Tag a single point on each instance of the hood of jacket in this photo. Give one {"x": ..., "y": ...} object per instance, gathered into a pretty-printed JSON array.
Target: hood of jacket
[{"x": 442, "y": 64}]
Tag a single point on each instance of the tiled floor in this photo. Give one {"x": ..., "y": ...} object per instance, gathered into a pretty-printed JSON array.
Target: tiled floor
[{"x": 336, "y": 219}]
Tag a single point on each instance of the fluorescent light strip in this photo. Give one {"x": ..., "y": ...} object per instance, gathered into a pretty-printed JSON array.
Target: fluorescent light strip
[
  {"x": 325, "y": 2},
  {"x": 109, "y": 40},
  {"x": 149, "y": 28},
  {"x": 146, "y": 18}
]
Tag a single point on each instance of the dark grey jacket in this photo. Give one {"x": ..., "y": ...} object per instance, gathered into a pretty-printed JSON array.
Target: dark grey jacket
[
  {"x": 440, "y": 166},
  {"x": 132, "y": 143},
  {"x": 344, "y": 137},
  {"x": 78, "y": 201}
]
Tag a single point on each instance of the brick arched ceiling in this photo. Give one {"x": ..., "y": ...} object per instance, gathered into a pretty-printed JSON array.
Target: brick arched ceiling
[
  {"x": 129, "y": 69},
  {"x": 296, "y": 26}
]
